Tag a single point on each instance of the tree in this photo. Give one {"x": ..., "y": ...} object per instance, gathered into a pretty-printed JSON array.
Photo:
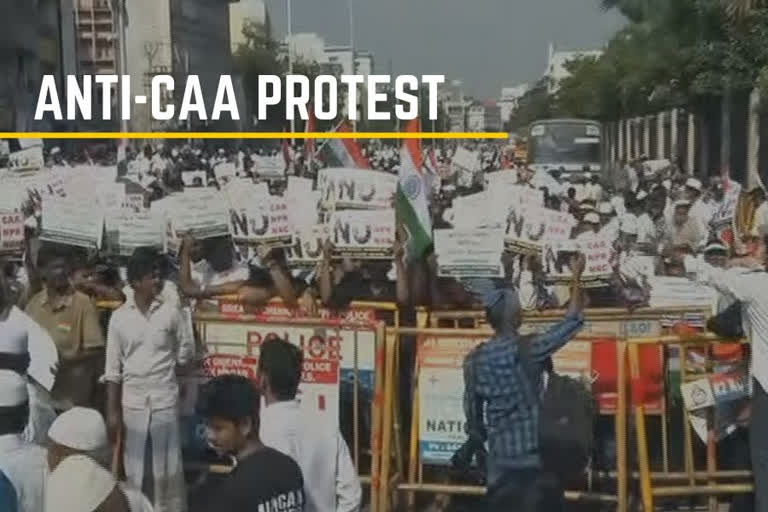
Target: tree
[
  {"x": 533, "y": 105},
  {"x": 258, "y": 56}
]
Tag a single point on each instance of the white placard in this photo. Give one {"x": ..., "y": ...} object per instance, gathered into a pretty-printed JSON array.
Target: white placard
[
  {"x": 269, "y": 167},
  {"x": 264, "y": 220},
  {"x": 469, "y": 252},
  {"x": 598, "y": 252},
  {"x": 356, "y": 188},
  {"x": 528, "y": 228},
  {"x": 725, "y": 212},
  {"x": 72, "y": 222},
  {"x": 29, "y": 159},
  {"x": 363, "y": 234},
  {"x": 128, "y": 232},
  {"x": 307, "y": 247},
  {"x": 225, "y": 170},
  {"x": 466, "y": 160},
  {"x": 477, "y": 210},
  {"x": 189, "y": 177},
  {"x": 202, "y": 213},
  {"x": 11, "y": 232}
]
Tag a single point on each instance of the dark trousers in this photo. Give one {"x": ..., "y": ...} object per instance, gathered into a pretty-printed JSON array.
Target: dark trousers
[
  {"x": 758, "y": 441},
  {"x": 526, "y": 490}
]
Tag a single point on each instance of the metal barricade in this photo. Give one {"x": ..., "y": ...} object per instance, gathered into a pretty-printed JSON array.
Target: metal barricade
[
  {"x": 346, "y": 365},
  {"x": 608, "y": 327}
]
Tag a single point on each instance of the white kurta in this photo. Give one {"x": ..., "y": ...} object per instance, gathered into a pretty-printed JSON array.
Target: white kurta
[
  {"x": 142, "y": 354},
  {"x": 26, "y": 466},
  {"x": 137, "y": 502},
  {"x": 331, "y": 483}
]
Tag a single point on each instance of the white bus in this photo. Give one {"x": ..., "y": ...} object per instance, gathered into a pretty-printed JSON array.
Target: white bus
[{"x": 565, "y": 144}]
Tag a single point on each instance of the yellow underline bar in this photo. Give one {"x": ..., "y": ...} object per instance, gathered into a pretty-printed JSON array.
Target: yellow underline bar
[{"x": 253, "y": 135}]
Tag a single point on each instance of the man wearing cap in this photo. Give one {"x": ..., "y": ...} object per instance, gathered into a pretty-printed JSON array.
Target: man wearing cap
[
  {"x": 23, "y": 463},
  {"x": 700, "y": 211},
  {"x": 751, "y": 288},
  {"x": 82, "y": 431},
  {"x": 501, "y": 401},
  {"x": 592, "y": 189},
  {"x": 80, "y": 484},
  {"x": 72, "y": 321},
  {"x": 684, "y": 230}
]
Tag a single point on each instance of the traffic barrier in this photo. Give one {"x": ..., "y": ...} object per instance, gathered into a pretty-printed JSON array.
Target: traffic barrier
[
  {"x": 602, "y": 344},
  {"x": 345, "y": 358}
]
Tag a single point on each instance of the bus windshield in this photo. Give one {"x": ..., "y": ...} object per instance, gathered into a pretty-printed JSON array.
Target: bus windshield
[{"x": 566, "y": 143}]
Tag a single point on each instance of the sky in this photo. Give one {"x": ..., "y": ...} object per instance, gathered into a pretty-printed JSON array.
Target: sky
[{"x": 485, "y": 43}]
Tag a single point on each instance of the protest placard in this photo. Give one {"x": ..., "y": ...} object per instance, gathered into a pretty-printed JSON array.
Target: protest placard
[
  {"x": 307, "y": 247},
  {"x": 201, "y": 213},
  {"x": 529, "y": 227},
  {"x": 598, "y": 270},
  {"x": 11, "y": 232},
  {"x": 269, "y": 167},
  {"x": 263, "y": 221},
  {"x": 441, "y": 391},
  {"x": 194, "y": 178},
  {"x": 469, "y": 252},
  {"x": 477, "y": 210},
  {"x": 713, "y": 390},
  {"x": 356, "y": 188},
  {"x": 225, "y": 171},
  {"x": 128, "y": 232},
  {"x": 466, "y": 160},
  {"x": 722, "y": 218},
  {"x": 363, "y": 234},
  {"x": 28, "y": 159},
  {"x": 72, "y": 222}
]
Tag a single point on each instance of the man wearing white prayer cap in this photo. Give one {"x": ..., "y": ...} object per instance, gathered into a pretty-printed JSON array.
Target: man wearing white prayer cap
[
  {"x": 23, "y": 463},
  {"x": 80, "y": 484},
  {"x": 82, "y": 431},
  {"x": 700, "y": 211}
]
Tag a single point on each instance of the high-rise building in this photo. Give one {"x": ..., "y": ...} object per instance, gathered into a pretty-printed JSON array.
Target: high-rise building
[
  {"x": 557, "y": 64},
  {"x": 243, "y": 12},
  {"x": 98, "y": 46},
  {"x": 176, "y": 38},
  {"x": 510, "y": 100}
]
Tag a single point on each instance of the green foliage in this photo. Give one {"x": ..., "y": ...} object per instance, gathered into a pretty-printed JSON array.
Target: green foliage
[
  {"x": 535, "y": 104},
  {"x": 672, "y": 53}
]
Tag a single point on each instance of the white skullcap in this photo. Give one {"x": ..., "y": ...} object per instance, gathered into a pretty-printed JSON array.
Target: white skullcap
[
  {"x": 78, "y": 484},
  {"x": 629, "y": 225},
  {"x": 694, "y": 184},
  {"x": 13, "y": 389},
  {"x": 11, "y": 344},
  {"x": 682, "y": 203},
  {"x": 592, "y": 218},
  {"x": 715, "y": 246},
  {"x": 81, "y": 429},
  {"x": 605, "y": 208},
  {"x": 587, "y": 176},
  {"x": 56, "y": 150},
  {"x": 641, "y": 195}
]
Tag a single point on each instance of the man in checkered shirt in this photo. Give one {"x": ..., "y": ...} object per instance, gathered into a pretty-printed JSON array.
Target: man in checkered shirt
[{"x": 501, "y": 401}]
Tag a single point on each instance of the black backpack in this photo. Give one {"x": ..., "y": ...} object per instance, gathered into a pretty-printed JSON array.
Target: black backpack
[{"x": 567, "y": 412}]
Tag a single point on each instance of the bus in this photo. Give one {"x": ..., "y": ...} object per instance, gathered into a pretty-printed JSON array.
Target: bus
[{"x": 565, "y": 144}]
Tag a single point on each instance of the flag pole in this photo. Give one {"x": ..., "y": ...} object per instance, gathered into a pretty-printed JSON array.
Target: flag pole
[{"x": 290, "y": 52}]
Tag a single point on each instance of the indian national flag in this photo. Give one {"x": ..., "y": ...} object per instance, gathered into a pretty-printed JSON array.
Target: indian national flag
[
  {"x": 346, "y": 152},
  {"x": 412, "y": 205}
]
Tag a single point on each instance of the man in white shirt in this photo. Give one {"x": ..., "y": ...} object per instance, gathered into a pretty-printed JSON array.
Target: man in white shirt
[
  {"x": 588, "y": 228},
  {"x": 313, "y": 441},
  {"x": 700, "y": 211},
  {"x": 23, "y": 463},
  {"x": 147, "y": 340},
  {"x": 751, "y": 288}
]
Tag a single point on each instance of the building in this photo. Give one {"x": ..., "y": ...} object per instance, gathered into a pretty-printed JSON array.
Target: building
[
  {"x": 455, "y": 104},
  {"x": 98, "y": 44},
  {"x": 484, "y": 117},
  {"x": 343, "y": 59},
  {"x": 243, "y": 12},
  {"x": 36, "y": 38},
  {"x": 176, "y": 38},
  {"x": 556, "y": 64},
  {"x": 510, "y": 100}
]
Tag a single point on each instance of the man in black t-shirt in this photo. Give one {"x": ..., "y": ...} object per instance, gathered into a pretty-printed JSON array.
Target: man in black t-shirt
[{"x": 263, "y": 480}]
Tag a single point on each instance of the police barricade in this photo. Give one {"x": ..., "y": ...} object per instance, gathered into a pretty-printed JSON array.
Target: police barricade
[
  {"x": 714, "y": 391},
  {"x": 343, "y": 374},
  {"x": 596, "y": 355}
]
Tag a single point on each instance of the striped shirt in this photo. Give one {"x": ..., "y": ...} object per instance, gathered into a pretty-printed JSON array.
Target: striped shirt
[
  {"x": 500, "y": 402},
  {"x": 751, "y": 288}
]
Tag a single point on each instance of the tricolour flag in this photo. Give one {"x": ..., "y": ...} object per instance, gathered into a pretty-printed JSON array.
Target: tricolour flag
[
  {"x": 412, "y": 204},
  {"x": 346, "y": 152}
]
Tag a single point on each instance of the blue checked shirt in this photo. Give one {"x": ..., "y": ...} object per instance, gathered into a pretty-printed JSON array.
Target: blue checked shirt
[{"x": 500, "y": 399}]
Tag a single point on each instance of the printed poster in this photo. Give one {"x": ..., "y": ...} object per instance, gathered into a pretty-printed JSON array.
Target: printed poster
[
  {"x": 363, "y": 234},
  {"x": 355, "y": 188},
  {"x": 470, "y": 252}
]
